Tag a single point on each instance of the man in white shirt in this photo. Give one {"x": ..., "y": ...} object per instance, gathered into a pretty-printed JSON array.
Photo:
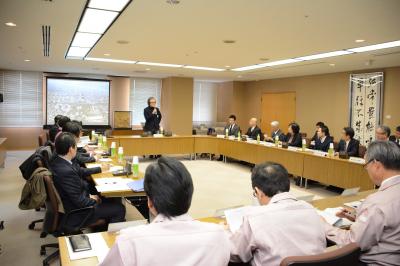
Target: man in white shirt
[
  {"x": 377, "y": 224},
  {"x": 173, "y": 238},
  {"x": 282, "y": 226}
]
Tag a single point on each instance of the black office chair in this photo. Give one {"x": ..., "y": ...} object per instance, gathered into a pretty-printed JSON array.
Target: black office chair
[
  {"x": 346, "y": 255},
  {"x": 58, "y": 224}
]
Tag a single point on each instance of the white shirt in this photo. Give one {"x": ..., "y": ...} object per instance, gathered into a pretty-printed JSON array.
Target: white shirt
[{"x": 176, "y": 241}]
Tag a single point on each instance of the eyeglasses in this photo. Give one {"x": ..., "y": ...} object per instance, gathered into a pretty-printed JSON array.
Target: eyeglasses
[
  {"x": 152, "y": 102},
  {"x": 255, "y": 193},
  {"x": 370, "y": 161}
]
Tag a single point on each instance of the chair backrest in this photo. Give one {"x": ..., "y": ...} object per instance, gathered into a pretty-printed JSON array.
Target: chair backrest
[
  {"x": 52, "y": 217},
  {"x": 346, "y": 255},
  {"x": 362, "y": 150}
]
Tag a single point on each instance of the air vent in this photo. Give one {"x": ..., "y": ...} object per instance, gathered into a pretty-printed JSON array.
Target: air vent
[{"x": 46, "y": 40}]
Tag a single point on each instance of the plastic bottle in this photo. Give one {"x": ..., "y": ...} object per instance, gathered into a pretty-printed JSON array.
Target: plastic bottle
[
  {"x": 105, "y": 143},
  {"x": 331, "y": 152},
  {"x": 226, "y": 133},
  {"x": 239, "y": 137},
  {"x": 258, "y": 138},
  {"x": 303, "y": 144},
  {"x": 276, "y": 141},
  {"x": 135, "y": 166},
  {"x": 100, "y": 140},
  {"x": 120, "y": 155},
  {"x": 113, "y": 149}
]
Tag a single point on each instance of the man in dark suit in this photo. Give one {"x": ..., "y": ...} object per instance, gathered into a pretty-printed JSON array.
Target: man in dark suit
[
  {"x": 254, "y": 130},
  {"x": 324, "y": 139},
  {"x": 232, "y": 127},
  {"x": 276, "y": 131},
  {"x": 153, "y": 116},
  {"x": 348, "y": 144},
  {"x": 315, "y": 137},
  {"x": 73, "y": 189}
]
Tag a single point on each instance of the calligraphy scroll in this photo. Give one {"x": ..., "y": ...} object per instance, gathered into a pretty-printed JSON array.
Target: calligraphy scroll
[{"x": 366, "y": 94}]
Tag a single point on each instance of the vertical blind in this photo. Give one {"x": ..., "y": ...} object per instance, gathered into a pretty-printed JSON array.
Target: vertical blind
[
  {"x": 141, "y": 90},
  {"x": 22, "y": 92},
  {"x": 204, "y": 102}
]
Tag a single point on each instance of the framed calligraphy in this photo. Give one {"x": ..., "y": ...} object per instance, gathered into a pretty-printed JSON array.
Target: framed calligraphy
[{"x": 366, "y": 96}]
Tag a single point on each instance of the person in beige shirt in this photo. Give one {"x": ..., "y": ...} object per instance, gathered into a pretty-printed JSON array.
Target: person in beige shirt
[
  {"x": 173, "y": 237},
  {"x": 377, "y": 223},
  {"x": 282, "y": 226}
]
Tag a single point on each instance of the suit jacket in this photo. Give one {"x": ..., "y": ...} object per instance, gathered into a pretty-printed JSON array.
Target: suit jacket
[
  {"x": 285, "y": 227},
  {"x": 280, "y": 135},
  {"x": 397, "y": 141},
  {"x": 152, "y": 120},
  {"x": 323, "y": 146},
  {"x": 296, "y": 140},
  {"x": 69, "y": 182},
  {"x": 177, "y": 240},
  {"x": 376, "y": 229},
  {"x": 352, "y": 148},
  {"x": 232, "y": 132},
  {"x": 253, "y": 134}
]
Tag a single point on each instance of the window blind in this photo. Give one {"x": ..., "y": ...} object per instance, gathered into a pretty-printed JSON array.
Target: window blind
[
  {"x": 22, "y": 92},
  {"x": 142, "y": 89},
  {"x": 204, "y": 102}
]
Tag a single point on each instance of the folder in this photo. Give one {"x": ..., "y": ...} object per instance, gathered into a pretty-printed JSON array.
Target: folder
[{"x": 137, "y": 185}]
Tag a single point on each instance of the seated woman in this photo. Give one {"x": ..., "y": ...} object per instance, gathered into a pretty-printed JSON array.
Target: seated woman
[
  {"x": 173, "y": 237},
  {"x": 293, "y": 137}
]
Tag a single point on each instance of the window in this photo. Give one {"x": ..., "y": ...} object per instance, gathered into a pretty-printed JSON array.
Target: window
[
  {"x": 141, "y": 90},
  {"x": 22, "y": 92},
  {"x": 204, "y": 102}
]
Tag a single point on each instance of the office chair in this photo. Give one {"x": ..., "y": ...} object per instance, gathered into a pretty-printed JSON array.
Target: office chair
[
  {"x": 346, "y": 255},
  {"x": 58, "y": 224}
]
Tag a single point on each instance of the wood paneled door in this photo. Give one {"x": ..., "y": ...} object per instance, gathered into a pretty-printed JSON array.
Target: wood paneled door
[{"x": 280, "y": 106}]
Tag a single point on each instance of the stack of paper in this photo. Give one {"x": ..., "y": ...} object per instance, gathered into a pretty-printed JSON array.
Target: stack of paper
[
  {"x": 137, "y": 185},
  {"x": 234, "y": 218},
  {"x": 329, "y": 214},
  {"x": 110, "y": 184}
]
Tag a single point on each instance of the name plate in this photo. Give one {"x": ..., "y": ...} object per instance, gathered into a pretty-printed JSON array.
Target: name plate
[
  {"x": 232, "y": 137},
  {"x": 158, "y": 135},
  {"x": 357, "y": 160},
  {"x": 291, "y": 148},
  {"x": 221, "y": 136},
  {"x": 269, "y": 144}
]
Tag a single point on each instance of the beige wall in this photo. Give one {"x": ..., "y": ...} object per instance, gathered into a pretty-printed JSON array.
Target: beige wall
[
  {"x": 323, "y": 98},
  {"x": 119, "y": 95},
  {"x": 21, "y": 138},
  {"x": 230, "y": 99},
  {"x": 177, "y": 105}
]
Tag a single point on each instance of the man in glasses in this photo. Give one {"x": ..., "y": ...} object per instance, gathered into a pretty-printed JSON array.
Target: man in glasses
[
  {"x": 282, "y": 226},
  {"x": 153, "y": 116},
  {"x": 376, "y": 228}
]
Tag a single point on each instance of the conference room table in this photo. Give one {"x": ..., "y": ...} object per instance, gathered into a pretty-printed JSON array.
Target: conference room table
[
  {"x": 308, "y": 165},
  {"x": 109, "y": 238}
]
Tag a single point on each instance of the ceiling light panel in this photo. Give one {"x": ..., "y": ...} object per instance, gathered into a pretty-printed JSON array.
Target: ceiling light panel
[
  {"x": 113, "y": 5},
  {"x": 158, "y": 64},
  {"x": 83, "y": 39},
  {"x": 324, "y": 55},
  {"x": 96, "y": 21},
  {"x": 204, "y": 68},
  {"x": 77, "y": 51},
  {"x": 280, "y": 62},
  {"x": 248, "y": 68},
  {"x": 110, "y": 60},
  {"x": 375, "y": 47}
]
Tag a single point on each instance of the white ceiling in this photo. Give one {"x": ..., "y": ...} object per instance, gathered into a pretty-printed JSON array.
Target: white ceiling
[{"x": 192, "y": 33}]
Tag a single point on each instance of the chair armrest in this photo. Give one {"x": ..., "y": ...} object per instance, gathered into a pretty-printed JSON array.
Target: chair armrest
[{"x": 83, "y": 214}]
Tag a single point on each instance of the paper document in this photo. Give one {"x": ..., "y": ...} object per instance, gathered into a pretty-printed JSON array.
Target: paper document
[
  {"x": 354, "y": 204},
  {"x": 99, "y": 248},
  {"x": 329, "y": 214},
  {"x": 350, "y": 191},
  {"x": 137, "y": 185},
  {"x": 234, "y": 218},
  {"x": 115, "y": 227},
  {"x": 110, "y": 184},
  {"x": 105, "y": 160},
  {"x": 93, "y": 165}
]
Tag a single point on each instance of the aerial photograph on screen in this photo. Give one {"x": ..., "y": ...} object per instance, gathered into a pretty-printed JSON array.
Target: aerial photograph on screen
[{"x": 82, "y": 100}]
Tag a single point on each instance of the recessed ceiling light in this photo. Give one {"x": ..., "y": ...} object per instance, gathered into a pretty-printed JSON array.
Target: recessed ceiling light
[
  {"x": 96, "y": 20},
  {"x": 122, "y": 42},
  {"x": 248, "y": 68},
  {"x": 264, "y": 59},
  {"x": 27, "y": 60},
  {"x": 229, "y": 41},
  {"x": 107, "y": 54},
  {"x": 77, "y": 51},
  {"x": 323, "y": 55},
  {"x": 173, "y": 2},
  {"x": 332, "y": 65},
  {"x": 281, "y": 62},
  {"x": 11, "y": 24},
  {"x": 204, "y": 68},
  {"x": 359, "y": 40},
  {"x": 148, "y": 69},
  {"x": 227, "y": 66},
  {"x": 375, "y": 47},
  {"x": 239, "y": 76},
  {"x": 158, "y": 64},
  {"x": 110, "y": 60},
  {"x": 83, "y": 39}
]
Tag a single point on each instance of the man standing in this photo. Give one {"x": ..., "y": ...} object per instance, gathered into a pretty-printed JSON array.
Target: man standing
[
  {"x": 376, "y": 228},
  {"x": 153, "y": 117}
]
